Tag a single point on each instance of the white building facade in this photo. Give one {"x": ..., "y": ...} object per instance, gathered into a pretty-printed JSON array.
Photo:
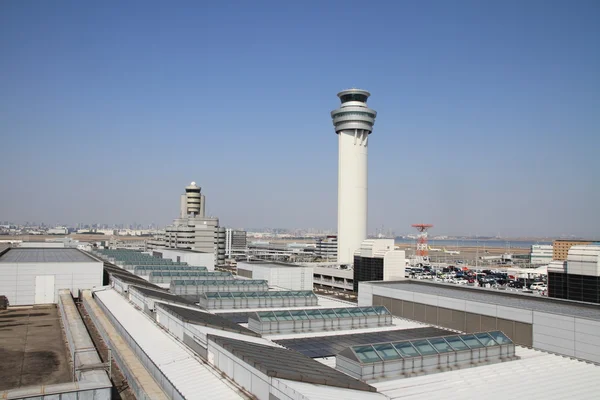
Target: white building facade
[
  {"x": 541, "y": 254},
  {"x": 35, "y": 275},
  {"x": 285, "y": 276}
]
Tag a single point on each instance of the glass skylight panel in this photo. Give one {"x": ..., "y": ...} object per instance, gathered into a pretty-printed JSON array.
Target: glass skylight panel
[
  {"x": 387, "y": 351},
  {"x": 471, "y": 341},
  {"x": 406, "y": 349},
  {"x": 456, "y": 343},
  {"x": 266, "y": 316},
  {"x": 329, "y": 313},
  {"x": 313, "y": 314},
  {"x": 381, "y": 310},
  {"x": 283, "y": 315},
  {"x": 299, "y": 314},
  {"x": 441, "y": 345},
  {"x": 227, "y": 295},
  {"x": 343, "y": 313},
  {"x": 500, "y": 337},
  {"x": 369, "y": 311},
  {"x": 356, "y": 312},
  {"x": 486, "y": 339},
  {"x": 253, "y": 294},
  {"x": 366, "y": 354},
  {"x": 424, "y": 347}
]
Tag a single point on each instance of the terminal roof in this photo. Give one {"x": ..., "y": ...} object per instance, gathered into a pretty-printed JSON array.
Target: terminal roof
[
  {"x": 162, "y": 295},
  {"x": 211, "y": 320},
  {"x": 288, "y": 364},
  {"x": 326, "y": 346},
  {"x": 37, "y": 255},
  {"x": 492, "y": 296}
]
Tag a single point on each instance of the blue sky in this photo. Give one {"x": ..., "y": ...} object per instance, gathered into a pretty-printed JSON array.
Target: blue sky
[{"x": 488, "y": 112}]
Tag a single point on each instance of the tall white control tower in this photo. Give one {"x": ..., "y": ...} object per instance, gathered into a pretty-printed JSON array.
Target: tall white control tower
[{"x": 353, "y": 123}]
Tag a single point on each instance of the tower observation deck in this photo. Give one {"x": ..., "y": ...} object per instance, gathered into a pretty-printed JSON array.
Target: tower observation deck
[{"x": 353, "y": 122}]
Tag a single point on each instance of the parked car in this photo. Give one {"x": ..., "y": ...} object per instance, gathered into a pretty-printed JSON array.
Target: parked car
[
  {"x": 541, "y": 286},
  {"x": 516, "y": 284}
]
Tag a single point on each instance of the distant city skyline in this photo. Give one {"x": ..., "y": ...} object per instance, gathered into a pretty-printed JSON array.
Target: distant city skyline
[
  {"x": 284, "y": 231},
  {"x": 487, "y": 119}
]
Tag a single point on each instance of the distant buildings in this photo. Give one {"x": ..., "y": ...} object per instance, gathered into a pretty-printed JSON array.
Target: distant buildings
[
  {"x": 327, "y": 248},
  {"x": 194, "y": 231},
  {"x": 541, "y": 254},
  {"x": 59, "y": 230},
  {"x": 561, "y": 247},
  {"x": 577, "y": 278},
  {"x": 376, "y": 260},
  {"x": 236, "y": 242}
]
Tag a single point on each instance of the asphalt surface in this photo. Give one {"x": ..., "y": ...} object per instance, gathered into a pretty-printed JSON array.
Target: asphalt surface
[{"x": 33, "y": 351}]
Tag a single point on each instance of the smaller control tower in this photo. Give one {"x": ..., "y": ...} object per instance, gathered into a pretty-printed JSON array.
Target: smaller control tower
[{"x": 192, "y": 202}]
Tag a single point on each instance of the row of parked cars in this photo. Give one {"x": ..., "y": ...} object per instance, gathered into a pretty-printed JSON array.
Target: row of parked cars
[{"x": 483, "y": 278}]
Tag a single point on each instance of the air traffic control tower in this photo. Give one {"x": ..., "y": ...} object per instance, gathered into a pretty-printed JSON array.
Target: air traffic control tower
[{"x": 353, "y": 123}]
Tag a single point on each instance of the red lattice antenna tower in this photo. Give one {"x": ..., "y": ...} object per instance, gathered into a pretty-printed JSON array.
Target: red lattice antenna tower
[{"x": 422, "y": 239}]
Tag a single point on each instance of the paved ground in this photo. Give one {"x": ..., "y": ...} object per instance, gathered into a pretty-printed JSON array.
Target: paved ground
[{"x": 32, "y": 348}]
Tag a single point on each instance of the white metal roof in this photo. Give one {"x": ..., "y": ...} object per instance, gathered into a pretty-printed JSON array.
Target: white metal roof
[
  {"x": 205, "y": 330},
  {"x": 537, "y": 375},
  {"x": 311, "y": 391},
  {"x": 193, "y": 378}
]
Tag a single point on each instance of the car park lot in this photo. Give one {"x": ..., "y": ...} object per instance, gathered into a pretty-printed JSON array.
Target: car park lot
[{"x": 485, "y": 278}]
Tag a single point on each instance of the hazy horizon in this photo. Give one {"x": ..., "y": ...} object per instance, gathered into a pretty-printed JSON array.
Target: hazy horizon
[{"x": 487, "y": 123}]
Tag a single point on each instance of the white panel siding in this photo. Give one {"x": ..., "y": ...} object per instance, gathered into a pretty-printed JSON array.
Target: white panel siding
[
  {"x": 425, "y": 299},
  {"x": 18, "y": 279},
  {"x": 365, "y": 295},
  {"x": 515, "y": 314},
  {"x": 481, "y": 308}
]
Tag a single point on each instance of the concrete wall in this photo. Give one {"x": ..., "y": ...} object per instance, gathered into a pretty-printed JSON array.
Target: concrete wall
[
  {"x": 45, "y": 245},
  {"x": 192, "y": 258},
  {"x": 394, "y": 265},
  {"x": 19, "y": 279},
  {"x": 287, "y": 277},
  {"x": 567, "y": 335}
]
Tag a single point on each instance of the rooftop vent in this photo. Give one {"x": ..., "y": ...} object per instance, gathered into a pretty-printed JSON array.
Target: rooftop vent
[
  {"x": 325, "y": 319},
  {"x": 382, "y": 361},
  {"x": 223, "y": 300}
]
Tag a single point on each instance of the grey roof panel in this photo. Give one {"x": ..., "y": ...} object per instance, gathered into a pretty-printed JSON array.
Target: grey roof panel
[
  {"x": 327, "y": 346},
  {"x": 206, "y": 319},
  {"x": 507, "y": 299},
  {"x": 239, "y": 317},
  {"x": 288, "y": 364},
  {"x": 41, "y": 255},
  {"x": 127, "y": 276},
  {"x": 162, "y": 295}
]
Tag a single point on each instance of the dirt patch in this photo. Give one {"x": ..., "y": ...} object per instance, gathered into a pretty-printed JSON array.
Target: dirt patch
[{"x": 32, "y": 349}]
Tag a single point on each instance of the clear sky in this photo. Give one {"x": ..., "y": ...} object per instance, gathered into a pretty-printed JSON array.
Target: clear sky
[{"x": 488, "y": 112}]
